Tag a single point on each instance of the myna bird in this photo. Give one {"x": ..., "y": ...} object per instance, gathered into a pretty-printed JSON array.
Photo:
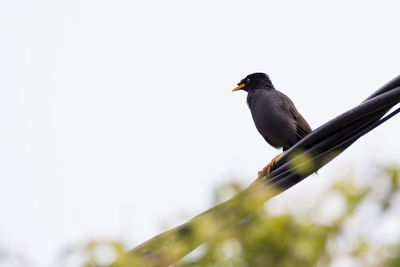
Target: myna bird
[{"x": 274, "y": 114}]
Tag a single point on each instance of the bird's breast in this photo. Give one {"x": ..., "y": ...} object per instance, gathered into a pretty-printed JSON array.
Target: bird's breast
[{"x": 277, "y": 128}]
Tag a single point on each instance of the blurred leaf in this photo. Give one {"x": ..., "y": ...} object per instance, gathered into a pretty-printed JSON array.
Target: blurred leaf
[{"x": 284, "y": 240}]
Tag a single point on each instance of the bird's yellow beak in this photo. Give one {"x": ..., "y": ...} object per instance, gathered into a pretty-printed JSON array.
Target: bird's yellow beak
[{"x": 240, "y": 86}]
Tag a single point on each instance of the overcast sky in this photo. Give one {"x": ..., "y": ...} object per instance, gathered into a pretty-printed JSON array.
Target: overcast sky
[{"x": 117, "y": 117}]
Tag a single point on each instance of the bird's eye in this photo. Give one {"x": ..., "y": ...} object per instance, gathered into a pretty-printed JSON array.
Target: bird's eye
[{"x": 248, "y": 80}]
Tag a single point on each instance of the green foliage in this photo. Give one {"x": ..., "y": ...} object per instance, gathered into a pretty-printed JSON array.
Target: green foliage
[
  {"x": 263, "y": 239},
  {"x": 294, "y": 238}
]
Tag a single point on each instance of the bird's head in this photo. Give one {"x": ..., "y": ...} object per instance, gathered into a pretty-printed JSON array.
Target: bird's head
[{"x": 253, "y": 80}]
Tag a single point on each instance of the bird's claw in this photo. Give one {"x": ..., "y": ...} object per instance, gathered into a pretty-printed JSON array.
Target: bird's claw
[{"x": 267, "y": 169}]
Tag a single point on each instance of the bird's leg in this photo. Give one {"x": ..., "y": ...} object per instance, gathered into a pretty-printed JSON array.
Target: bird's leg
[{"x": 269, "y": 166}]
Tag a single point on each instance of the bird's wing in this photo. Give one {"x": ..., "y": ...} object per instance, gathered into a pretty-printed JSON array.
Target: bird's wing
[{"x": 303, "y": 128}]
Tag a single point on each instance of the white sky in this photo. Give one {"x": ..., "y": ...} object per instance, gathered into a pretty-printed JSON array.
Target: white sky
[{"x": 117, "y": 116}]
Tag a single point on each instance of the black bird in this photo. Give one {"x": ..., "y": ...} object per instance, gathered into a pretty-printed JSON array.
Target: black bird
[{"x": 274, "y": 114}]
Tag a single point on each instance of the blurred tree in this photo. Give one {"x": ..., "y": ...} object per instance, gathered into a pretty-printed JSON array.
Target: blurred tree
[{"x": 295, "y": 238}]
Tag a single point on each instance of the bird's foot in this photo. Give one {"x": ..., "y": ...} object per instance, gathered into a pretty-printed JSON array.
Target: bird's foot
[
  {"x": 264, "y": 169},
  {"x": 267, "y": 168}
]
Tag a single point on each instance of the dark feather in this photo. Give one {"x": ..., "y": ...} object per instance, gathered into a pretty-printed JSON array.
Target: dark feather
[{"x": 303, "y": 128}]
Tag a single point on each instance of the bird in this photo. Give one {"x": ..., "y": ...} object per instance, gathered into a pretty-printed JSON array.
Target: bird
[{"x": 274, "y": 114}]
